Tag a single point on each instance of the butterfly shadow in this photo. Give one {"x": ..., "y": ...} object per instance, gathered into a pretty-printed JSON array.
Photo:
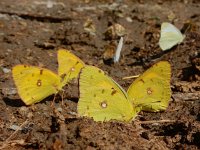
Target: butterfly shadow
[
  {"x": 144, "y": 61},
  {"x": 52, "y": 99},
  {"x": 173, "y": 129},
  {"x": 189, "y": 73},
  {"x": 13, "y": 102},
  {"x": 162, "y": 53}
]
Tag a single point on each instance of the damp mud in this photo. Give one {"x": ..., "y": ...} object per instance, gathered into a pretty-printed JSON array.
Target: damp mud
[{"x": 31, "y": 32}]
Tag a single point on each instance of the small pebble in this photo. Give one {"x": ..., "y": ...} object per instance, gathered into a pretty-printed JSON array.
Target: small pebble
[
  {"x": 9, "y": 91},
  {"x": 6, "y": 70},
  {"x": 15, "y": 127},
  {"x": 59, "y": 109}
]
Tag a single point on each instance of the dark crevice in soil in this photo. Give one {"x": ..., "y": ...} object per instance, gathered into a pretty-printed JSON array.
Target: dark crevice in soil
[{"x": 31, "y": 17}]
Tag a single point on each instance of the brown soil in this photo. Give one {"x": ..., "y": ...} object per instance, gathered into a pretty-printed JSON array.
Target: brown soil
[{"x": 32, "y": 31}]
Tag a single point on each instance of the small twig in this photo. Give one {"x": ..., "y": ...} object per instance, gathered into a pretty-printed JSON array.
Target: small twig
[
  {"x": 15, "y": 132},
  {"x": 186, "y": 96},
  {"x": 7, "y": 141},
  {"x": 130, "y": 77},
  {"x": 155, "y": 121}
]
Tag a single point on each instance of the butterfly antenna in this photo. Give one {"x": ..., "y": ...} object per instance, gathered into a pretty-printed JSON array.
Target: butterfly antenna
[{"x": 156, "y": 121}]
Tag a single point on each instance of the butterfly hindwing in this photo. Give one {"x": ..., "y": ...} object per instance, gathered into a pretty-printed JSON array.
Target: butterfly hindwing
[
  {"x": 101, "y": 98},
  {"x": 170, "y": 36},
  {"x": 34, "y": 83},
  {"x": 69, "y": 65},
  {"x": 151, "y": 90}
]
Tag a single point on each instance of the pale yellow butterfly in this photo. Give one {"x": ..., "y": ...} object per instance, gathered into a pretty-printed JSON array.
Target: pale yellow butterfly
[
  {"x": 35, "y": 83},
  {"x": 169, "y": 36}
]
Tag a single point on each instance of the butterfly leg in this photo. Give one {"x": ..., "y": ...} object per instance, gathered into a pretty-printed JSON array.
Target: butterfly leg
[
  {"x": 52, "y": 103},
  {"x": 62, "y": 96}
]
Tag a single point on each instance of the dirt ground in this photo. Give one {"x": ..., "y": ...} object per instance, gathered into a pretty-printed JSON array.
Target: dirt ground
[{"x": 31, "y": 32}]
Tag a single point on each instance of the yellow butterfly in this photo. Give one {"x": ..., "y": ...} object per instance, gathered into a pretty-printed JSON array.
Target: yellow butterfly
[
  {"x": 151, "y": 91},
  {"x": 35, "y": 83},
  {"x": 103, "y": 99}
]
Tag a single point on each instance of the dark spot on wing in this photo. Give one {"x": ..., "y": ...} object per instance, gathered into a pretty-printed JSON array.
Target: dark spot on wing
[
  {"x": 25, "y": 66},
  {"x": 77, "y": 63},
  {"x": 63, "y": 76},
  {"x": 103, "y": 104},
  {"x": 72, "y": 69},
  {"x": 123, "y": 116},
  {"x": 33, "y": 75},
  {"x": 26, "y": 89},
  {"x": 113, "y": 92},
  {"x": 149, "y": 91},
  {"x": 39, "y": 82},
  {"x": 102, "y": 91},
  {"x": 41, "y": 71},
  {"x": 95, "y": 95},
  {"x": 141, "y": 80}
]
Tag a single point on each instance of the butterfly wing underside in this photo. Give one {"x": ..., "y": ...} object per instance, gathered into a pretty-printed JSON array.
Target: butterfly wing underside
[
  {"x": 69, "y": 65},
  {"x": 170, "y": 36},
  {"x": 101, "y": 98},
  {"x": 34, "y": 83},
  {"x": 151, "y": 90}
]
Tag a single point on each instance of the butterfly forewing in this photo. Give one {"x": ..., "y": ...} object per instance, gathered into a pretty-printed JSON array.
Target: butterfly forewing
[
  {"x": 69, "y": 65},
  {"x": 34, "y": 83},
  {"x": 101, "y": 98}
]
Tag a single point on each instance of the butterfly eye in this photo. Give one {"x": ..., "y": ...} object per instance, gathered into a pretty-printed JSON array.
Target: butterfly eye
[{"x": 103, "y": 104}]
